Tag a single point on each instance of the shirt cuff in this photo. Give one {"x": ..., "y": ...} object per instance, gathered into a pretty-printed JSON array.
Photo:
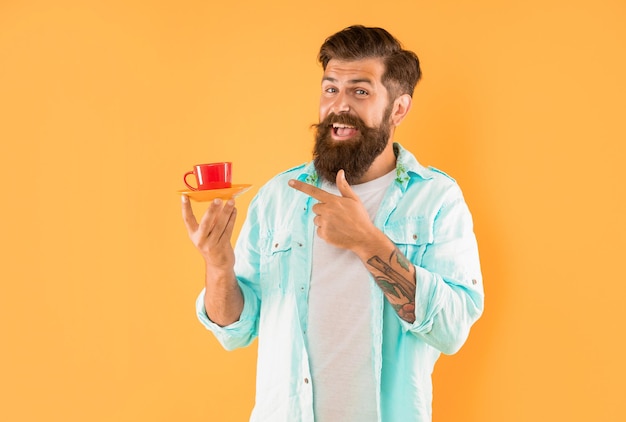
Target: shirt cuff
[
  {"x": 426, "y": 303},
  {"x": 241, "y": 332}
]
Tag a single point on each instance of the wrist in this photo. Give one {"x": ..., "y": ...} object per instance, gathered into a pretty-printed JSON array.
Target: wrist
[
  {"x": 219, "y": 275},
  {"x": 377, "y": 244}
]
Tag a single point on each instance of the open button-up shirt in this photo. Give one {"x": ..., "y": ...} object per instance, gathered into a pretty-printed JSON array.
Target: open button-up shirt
[{"x": 423, "y": 212}]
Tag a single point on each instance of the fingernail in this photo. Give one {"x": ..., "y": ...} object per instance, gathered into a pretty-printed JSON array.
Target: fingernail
[
  {"x": 230, "y": 202},
  {"x": 184, "y": 198},
  {"x": 217, "y": 201},
  {"x": 291, "y": 183}
]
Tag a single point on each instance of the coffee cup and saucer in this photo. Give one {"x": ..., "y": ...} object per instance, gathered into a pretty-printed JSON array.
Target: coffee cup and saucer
[{"x": 213, "y": 180}]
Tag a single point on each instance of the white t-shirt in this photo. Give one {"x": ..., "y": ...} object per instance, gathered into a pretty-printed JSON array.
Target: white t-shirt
[{"x": 339, "y": 331}]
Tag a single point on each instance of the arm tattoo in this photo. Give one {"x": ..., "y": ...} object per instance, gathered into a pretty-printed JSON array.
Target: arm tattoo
[{"x": 397, "y": 281}]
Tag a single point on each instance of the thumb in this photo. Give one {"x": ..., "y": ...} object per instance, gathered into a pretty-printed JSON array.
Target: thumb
[{"x": 343, "y": 186}]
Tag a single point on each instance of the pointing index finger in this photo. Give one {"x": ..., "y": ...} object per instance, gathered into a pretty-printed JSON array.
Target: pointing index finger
[{"x": 314, "y": 192}]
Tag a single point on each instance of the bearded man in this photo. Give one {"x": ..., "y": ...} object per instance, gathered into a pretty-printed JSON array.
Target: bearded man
[{"x": 355, "y": 271}]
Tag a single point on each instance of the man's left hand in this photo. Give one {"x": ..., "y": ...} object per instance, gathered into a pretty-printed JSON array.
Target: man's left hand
[{"x": 341, "y": 221}]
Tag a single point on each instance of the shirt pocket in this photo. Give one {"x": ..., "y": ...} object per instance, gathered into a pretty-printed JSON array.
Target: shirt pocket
[
  {"x": 411, "y": 235},
  {"x": 275, "y": 257}
]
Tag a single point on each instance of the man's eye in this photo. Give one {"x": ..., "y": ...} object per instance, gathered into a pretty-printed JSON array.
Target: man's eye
[
  {"x": 330, "y": 90},
  {"x": 360, "y": 92}
]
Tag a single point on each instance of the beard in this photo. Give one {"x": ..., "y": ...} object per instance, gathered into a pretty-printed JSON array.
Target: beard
[{"x": 355, "y": 156}]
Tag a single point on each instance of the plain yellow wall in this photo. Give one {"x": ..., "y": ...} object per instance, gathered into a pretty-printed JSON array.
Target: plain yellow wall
[{"x": 105, "y": 104}]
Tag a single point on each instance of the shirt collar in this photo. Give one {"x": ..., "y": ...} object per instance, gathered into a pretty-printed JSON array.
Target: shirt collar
[{"x": 406, "y": 167}]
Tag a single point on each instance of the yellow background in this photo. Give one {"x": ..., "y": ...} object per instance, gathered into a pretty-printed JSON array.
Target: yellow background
[{"x": 105, "y": 104}]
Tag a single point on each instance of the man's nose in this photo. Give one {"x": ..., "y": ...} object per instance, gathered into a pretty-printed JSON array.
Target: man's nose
[{"x": 341, "y": 105}]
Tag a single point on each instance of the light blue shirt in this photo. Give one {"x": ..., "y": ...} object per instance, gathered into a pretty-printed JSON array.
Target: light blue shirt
[{"x": 423, "y": 212}]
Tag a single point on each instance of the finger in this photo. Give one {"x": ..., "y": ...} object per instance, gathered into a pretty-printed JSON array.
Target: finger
[
  {"x": 190, "y": 220},
  {"x": 228, "y": 231},
  {"x": 208, "y": 219},
  {"x": 344, "y": 187},
  {"x": 221, "y": 221},
  {"x": 318, "y": 208},
  {"x": 314, "y": 192}
]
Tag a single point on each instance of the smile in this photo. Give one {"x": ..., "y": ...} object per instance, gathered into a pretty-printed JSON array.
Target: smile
[{"x": 341, "y": 130}]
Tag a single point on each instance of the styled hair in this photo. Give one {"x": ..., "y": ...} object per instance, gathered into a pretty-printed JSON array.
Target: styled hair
[{"x": 402, "y": 67}]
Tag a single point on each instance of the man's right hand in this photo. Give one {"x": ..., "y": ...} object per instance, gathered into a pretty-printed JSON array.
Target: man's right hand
[
  {"x": 223, "y": 299},
  {"x": 212, "y": 235}
]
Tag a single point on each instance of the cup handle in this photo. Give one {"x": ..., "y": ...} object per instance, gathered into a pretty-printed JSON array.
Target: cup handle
[{"x": 185, "y": 180}]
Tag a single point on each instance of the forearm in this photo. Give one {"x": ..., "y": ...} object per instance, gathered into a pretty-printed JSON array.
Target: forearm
[
  {"x": 393, "y": 273},
  {"x": 223, "y": 299}
]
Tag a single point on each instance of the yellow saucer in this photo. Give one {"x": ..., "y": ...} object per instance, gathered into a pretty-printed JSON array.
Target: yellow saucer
[{"x": 211, "y": 194}]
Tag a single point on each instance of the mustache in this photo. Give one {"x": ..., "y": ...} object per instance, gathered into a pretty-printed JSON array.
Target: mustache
[{"x": 343, "y": 118}]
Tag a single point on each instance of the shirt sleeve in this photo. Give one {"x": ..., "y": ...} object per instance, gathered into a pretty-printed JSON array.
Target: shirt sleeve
[
  {"x": 449, "y": 294},
  {"x": 238, "y": 334}
]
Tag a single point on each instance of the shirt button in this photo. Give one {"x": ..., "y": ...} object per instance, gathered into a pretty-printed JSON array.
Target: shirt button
[
  {"x": 414, "y": 237},
  {"x": 306, "y": 380},
  {"x": 276, "y": 245}
]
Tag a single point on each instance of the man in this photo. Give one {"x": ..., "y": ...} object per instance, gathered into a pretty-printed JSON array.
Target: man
[{"x": 355, "y": 271}]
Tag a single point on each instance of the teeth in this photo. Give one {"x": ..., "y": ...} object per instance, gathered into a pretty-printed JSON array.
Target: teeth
[{"x": 340, "y": 125}]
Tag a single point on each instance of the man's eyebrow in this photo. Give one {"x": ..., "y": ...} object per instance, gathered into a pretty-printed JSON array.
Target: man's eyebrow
[{"x": 351, "y": 81}]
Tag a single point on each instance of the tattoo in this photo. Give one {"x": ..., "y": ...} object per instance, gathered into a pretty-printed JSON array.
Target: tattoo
[
  {"x": 394, "y": 281},
  {"x": 398, "y": 284},
  {"x": 404, "y": 263}
]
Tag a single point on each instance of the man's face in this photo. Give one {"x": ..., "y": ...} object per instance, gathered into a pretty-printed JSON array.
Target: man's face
[{"x": 355, "y": 115}]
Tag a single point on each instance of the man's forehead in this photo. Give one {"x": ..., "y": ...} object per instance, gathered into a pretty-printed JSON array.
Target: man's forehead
[{"x": 367, "y": 70}]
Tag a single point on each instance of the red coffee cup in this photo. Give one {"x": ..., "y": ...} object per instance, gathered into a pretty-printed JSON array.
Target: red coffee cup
[{"x": 210, "y": 176}]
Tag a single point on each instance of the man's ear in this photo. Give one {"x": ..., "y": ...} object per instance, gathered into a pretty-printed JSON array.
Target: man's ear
[{"x": 401, "y": 107}]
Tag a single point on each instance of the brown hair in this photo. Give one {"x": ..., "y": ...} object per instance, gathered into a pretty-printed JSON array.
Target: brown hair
[{"x": 402, "y": 67}]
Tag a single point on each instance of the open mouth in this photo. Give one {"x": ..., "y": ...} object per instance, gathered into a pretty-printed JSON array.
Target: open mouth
[{"x": 342, "y": 130}]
